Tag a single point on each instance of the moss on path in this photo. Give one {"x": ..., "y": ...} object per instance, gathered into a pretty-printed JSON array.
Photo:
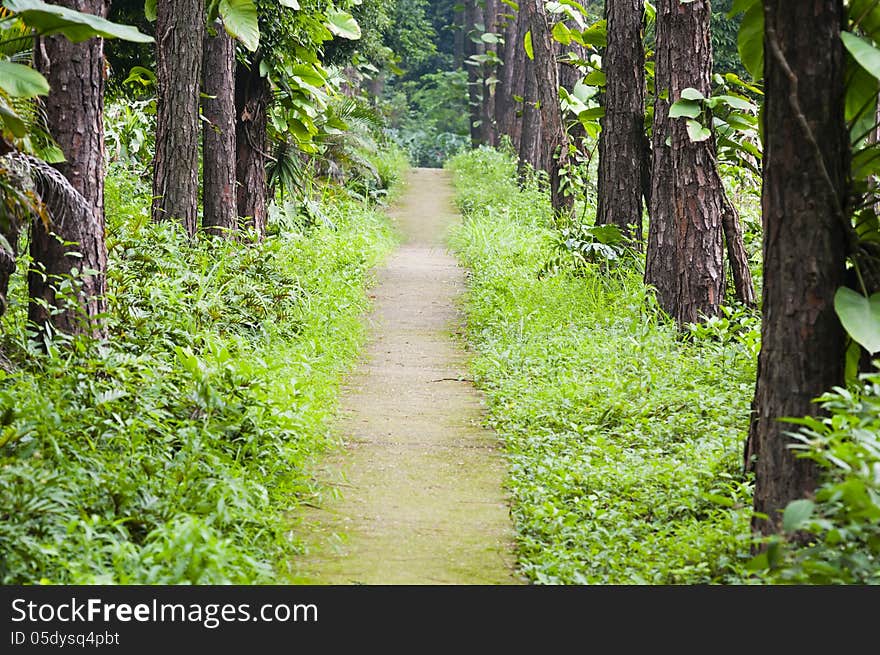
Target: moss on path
[{"x": 419, "y": 481}]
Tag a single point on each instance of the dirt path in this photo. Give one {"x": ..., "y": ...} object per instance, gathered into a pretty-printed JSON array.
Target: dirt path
[{"x": 420, "y": 498}]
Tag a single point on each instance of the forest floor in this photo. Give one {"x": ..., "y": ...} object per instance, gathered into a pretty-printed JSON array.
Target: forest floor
[{"x": 415, "y": 496}]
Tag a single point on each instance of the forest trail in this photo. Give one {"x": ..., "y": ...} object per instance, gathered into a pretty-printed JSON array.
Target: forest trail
[{"x": 420, "y": 481}]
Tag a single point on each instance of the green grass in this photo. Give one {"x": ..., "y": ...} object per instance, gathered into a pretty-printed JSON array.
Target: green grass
[
  {"x": 175, "y": 451},
  {"x": 624, "y": 439}
]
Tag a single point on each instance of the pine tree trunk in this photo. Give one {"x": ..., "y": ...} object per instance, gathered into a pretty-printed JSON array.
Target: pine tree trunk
[
  {"x": 459, "y": 38},
  {"x": 218, "y": 134},
  {"x": 252, "y": 95},
  {"x": 487, "y": 109},
  {"x": 530, "y": 133},
  {"x": 472, "y": 46},
  {"x": 660, "y": 257},
  {"x": 554, "y": 141},
  {"x": 805, "y": 172},
  {"x": 74, "y": 112},
  {"x": 623, "y": 126},
  {"x": 513, "y": 80},
  {"x": 687, "y": 201},
  {"x": 180, "y": 28}
]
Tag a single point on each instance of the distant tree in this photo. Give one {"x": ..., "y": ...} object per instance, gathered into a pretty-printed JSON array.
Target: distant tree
[
  {"x": 180, "y": 28},
  {"x": 512, "y": 78},
  {"x": 473, "y": 47},
  {"x": 621, "y": 141},
  {"x": 252, "y": 97},
  {"x": 554, "y": 138},
  {"x": 219, "y": 199}
]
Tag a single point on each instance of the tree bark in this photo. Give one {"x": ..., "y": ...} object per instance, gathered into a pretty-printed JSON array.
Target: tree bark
[
  {"x": 487, "y": 109},
  {"x": 554, "y": 146},
  {"x": 473, "y": 16},
  {"x": 180, "y": 28},
  {"x": 513, "y": 81},
  {"x": 530, "y": 132},
  {"x": 743, "y": 286},
  {"x": 685, "y": 248},
  {"x": 459, "y": 38},
  {"x": 660, "y": 257},
  {"x": 218, "y": 134},
  {"x": 804, "y": 191},
  {"x": 74, "y": 112},
  {"x": 252, "y": 95},
  {"x": 623, "y": 127}
]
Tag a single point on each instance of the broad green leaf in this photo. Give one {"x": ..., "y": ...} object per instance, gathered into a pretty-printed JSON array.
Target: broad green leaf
[
  {"x": 692, "y": 94},
  {"x": 596, "y": 34},
  {"x": 527, "y": 44},
  {"x": 595, "y": 78},
  {"x": 240, "y": 21},
  {"x": 489, "y": 37},
  {"x": 51, "y": 19},
  {"x": 583, "y": 92},
  {"x": 866, "y": 163},
  {"x": 150, "y": 10},
  {"x": 750, "y": 40},
  {"x": 561, "y": 33},
  {"x": 742, "y": 122},
  {"x": 21, "y": 81},
  {"x": 343, "y": 24},
  {"x": 863, "y": 51},
  {"x": 697, "y": 132},
  {"x": 796, "y": 513},
  {"x": 734, "y": 102},
  {"x": 687, "y": 108},
  {"x": 591, "y": 114},
  {"x": 860, "y": 317},
  {"x": 861, "y": 98}
]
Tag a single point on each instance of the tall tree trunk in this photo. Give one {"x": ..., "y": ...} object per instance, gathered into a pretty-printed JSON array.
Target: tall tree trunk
[
  {"x": 554, "y": 147},
  {"x": 660, "y": 257},
  {"x": 180, "y": 28},
  {"x": 74, "y": 112},
  {"x": 252, "y": 95},
  {"x": 513, "y": 80},
  {"x": 487, "y": 109},
  {"x": 458, "y": 40},
  {"x": 218, "y": 134},
  {"x": 623, "y": 127},
  {"x": 530, "y": 132},
  {"x": 473, "y": 46},
  {"x": 685, "y": 251},
  {"x": 805, "y": 171}
]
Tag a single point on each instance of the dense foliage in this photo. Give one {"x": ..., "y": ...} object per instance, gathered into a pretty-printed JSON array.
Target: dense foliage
[
  {"x": 625, "y": 442},
  {"x": 174, "y": 452}
]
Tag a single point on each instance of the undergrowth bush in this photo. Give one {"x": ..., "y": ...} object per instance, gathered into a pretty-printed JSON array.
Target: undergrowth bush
[
  {"x": 173, "y": 451},
  {"x": 834, "y": 537},
  {"x": 624, "y": 439}
]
